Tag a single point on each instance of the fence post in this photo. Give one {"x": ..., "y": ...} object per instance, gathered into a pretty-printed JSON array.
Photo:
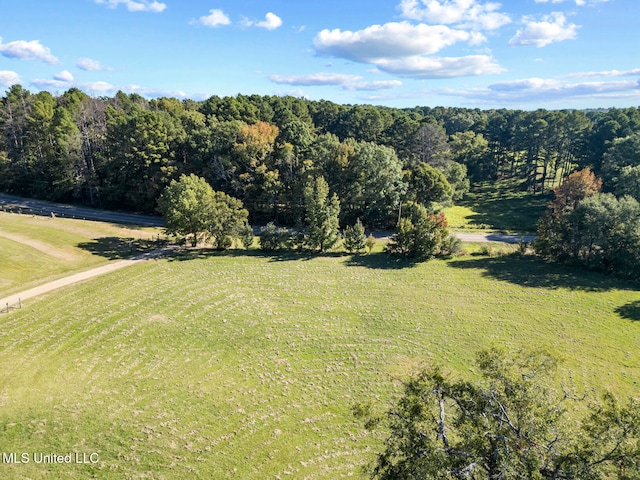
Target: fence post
[
  {"x": 7, "y": 307},
  {"x": 20, "y": 302}
]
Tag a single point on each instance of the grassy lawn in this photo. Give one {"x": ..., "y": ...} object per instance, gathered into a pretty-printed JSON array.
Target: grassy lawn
[
  {"x": 243, "y": 365},
  {"x": 36, "y": 249},
  {"x": 498, "y": 206}
]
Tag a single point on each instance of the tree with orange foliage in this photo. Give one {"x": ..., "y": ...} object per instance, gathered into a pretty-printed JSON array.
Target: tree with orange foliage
[{"x": 574, "y": 188}]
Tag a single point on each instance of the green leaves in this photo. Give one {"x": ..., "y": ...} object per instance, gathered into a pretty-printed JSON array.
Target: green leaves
[
  {"x": 510, "y": 424},
  {"x": 354, "y": 238},
  {"x": 420, "y": 234},
  {"x": 192, "y": 208},
  {"x": 322, "y": 215}
]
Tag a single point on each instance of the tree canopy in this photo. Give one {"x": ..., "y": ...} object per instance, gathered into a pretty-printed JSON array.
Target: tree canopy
[
  {"x": 511, "y": 423},
  {"x": 193, "y": 209}
]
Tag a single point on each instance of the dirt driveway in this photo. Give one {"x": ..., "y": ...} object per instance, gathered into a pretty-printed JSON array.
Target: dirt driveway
[{"x": 12, "y": 301}]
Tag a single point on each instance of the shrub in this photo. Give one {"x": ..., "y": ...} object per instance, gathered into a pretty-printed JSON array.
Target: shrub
[
  {"x": 274, "y": 238},
  {"x": 421, "y": 235}
]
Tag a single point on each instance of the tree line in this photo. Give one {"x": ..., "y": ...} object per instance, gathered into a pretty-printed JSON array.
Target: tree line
[{"x": 121, "y": 152}]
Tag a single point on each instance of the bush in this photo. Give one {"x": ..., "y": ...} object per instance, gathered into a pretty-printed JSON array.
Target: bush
[
  {"x": 370, "y": 242},
  {"x": 421, "y": 235},
  {"x": 274, "y": 238}
]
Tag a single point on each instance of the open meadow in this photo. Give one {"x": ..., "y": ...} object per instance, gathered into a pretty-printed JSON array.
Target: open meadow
[
  {"x": 498, "y": 206},
  {"x": 246, "y": 365}
]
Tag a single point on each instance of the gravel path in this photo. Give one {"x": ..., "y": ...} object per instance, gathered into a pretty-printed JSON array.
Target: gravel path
[{"x": 14, "y": 300}]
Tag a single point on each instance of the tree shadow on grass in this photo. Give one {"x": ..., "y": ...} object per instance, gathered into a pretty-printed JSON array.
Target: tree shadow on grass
[
  {"x": 117, "y": 248},
  {"x": 630, "y": 311},
  {"x": 380, "y": 261},
  {"x": 504, "y": 205},
  {"x": 272, "y": 256},
  {"x": 531, "y": 271}
]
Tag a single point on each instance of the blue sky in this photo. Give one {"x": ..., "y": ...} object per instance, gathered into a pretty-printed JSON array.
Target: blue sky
[{"x": 471, "y": 53}]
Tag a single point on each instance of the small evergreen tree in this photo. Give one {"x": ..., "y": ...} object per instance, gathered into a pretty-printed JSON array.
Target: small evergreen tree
[
  {"x": 322, "y": 215},
  {"x": 354, "y": 238}
]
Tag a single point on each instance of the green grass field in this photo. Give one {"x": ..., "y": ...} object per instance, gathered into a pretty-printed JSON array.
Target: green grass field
[
  {"x": 498, "y": 206},
  {"x": 244, "y": 365},
  {"x": 36, "y": 249}
]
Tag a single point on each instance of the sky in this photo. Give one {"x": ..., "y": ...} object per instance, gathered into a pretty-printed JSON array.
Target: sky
[{"x": 523, "y": 54}]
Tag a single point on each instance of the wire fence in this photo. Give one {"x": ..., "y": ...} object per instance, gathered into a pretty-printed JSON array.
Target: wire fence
[{"x": 7, "y": 307}]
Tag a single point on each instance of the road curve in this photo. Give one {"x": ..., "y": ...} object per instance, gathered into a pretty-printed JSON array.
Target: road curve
[
  {"x": 41, "y": 207},
  {"x": 494, "y": 237}
]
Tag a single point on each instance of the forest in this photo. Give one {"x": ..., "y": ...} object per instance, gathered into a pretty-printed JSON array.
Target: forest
[{"x": 121, "y": 152}]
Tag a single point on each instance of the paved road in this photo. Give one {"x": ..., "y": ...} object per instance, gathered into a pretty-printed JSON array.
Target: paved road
[
  {"x": 494, "y": 237},
  {"x": 71, "y": 211},
  {"x": 41, "y": 207}
]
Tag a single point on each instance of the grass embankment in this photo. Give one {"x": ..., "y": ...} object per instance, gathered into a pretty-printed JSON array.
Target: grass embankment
[
  {"x": 246, "y": 365},
  {"x": 34, "y": 249},
  {"x": 498, "y": 206}
]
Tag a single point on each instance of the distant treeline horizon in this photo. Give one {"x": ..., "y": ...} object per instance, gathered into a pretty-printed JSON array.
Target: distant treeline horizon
[{"x": 121, "y": 152}]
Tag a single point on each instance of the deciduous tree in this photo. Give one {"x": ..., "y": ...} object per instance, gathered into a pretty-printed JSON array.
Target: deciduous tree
[{"x": 510, "y": 424}]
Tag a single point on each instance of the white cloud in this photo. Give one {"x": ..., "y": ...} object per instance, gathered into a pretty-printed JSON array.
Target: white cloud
[
  {"x": 557, "y": 88},
  {"x": 552, "y": 28},
  {"x": 103, "y": 88},
  {"x": 92, "y": 88},
  {"x": 540, "y": 90},
  {"x": 215, "y": 18},
  {"x": 579, "y": 3},
  {"x": 347, "y": 82},
  {"x": 64, "y": 76},
  {"x": 315, "y": 79},
  {"x": 292, "y": 93},
  {"x": 391, "y": 40},
  {"x": 405, "y": 50},
  {"x": 374, "y": 86},
  {"x": 466, "y": 13},
  {"x": 8, "y": 78},
  {"x": 441, "y": 67},
  {"x": 153, "y": 92},
  {"x": 609, "y": 73},
  {"x": 27, "y": 50},
  {"x": 271, "y": 22},
  {"x": 90, "y": 65},
  {"x": 44, "y": 84},
  {"x": 135, "y": 6}
]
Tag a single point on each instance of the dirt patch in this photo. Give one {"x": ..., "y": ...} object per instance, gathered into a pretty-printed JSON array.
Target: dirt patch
[{"x": 160, "y": 318}]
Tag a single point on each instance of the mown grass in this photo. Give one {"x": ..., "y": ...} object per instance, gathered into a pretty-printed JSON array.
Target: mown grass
[
  {"x": 245, "y": 365},
  {"x": 35, "y": 249},
  {"x": 498, "y": 206}
]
